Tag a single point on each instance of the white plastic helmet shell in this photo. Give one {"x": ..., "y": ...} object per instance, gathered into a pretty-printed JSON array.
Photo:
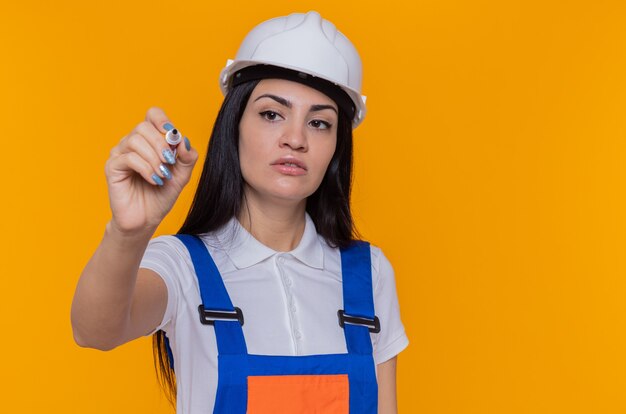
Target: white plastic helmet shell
[{"x": 306, "y": 43}]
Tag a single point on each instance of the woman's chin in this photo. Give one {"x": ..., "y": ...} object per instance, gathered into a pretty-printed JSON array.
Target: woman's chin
[
  {"x": 279, "y": 195},
  {"x": 282, "y": 190},
  {"x": 288, "y": 197}
]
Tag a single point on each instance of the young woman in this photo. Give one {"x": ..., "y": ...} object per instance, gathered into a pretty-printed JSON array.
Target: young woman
[{"x": 264, "y": 302}]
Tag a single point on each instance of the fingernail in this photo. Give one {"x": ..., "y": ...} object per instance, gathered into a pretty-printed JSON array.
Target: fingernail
[
  {"x": 187, "y": 144},
  {"x": 169, "y": 156},
  {"x": 157, "y": 179},
  {"x": 167, "y": 126},
  {"x": 166, "y": 172}
]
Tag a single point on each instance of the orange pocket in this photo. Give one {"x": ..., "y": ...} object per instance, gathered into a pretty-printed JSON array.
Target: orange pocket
[{"x": 290, "y": 394}]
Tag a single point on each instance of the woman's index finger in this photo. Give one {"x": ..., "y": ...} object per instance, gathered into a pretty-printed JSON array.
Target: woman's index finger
[{"x": 156, "y": 116}]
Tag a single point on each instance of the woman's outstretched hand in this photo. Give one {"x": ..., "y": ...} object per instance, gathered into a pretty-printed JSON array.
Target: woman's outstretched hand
[{"x": 144, "y": 176}]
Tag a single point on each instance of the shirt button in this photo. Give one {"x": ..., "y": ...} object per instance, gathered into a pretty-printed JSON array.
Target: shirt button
[
  {"x": 297, "y": 334},
  {"x": 293, "y": 308},
  {"x": 281, "y": 259},
  {"x": 288, "y": 281}
]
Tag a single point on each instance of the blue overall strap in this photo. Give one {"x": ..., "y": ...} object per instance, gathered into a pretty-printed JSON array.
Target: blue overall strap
[
  {"x": 358, "y": 296},
  {"x": 228, "y": 333}
]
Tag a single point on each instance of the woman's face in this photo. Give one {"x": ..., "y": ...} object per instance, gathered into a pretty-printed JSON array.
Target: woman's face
[{"x": 287, "y": 137}]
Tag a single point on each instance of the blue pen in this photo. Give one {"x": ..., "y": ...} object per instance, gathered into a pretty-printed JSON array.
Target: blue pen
[{"x": 173, "y": 137}]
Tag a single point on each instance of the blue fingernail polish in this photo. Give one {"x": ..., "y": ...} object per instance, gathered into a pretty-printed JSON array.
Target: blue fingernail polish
[
  {"x": 187, "y": 144},
  {"x": 157, "y": 179},
  {"x": 166, "y": 172},
  {"x": 167, "y": 126},
  {"x": 169, "y": 156}
]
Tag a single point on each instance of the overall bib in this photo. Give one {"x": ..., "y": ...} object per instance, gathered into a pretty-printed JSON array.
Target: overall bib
[{"x": 264, "y": 384}]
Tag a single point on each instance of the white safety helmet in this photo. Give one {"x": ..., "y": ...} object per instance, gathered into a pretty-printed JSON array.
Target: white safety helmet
[{"x": 309, "y": 47}]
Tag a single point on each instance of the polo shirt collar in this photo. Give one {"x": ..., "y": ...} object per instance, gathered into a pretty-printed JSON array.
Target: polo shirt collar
[{"x": 245, "y": 251}]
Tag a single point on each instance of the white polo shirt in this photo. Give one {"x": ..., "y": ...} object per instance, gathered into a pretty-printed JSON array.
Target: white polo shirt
[{"x": 289, "y": 301}]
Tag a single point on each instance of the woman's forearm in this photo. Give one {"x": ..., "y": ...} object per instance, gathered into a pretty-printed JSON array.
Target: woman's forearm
[{"x": 102, "y": 301}]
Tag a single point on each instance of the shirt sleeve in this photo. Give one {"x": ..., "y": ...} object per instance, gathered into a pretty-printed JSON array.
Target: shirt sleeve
[
  {"x": 163, "y": 256},
  {"x": 392, "y": 338}
]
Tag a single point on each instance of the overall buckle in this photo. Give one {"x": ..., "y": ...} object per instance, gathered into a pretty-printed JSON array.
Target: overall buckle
[
  {"x": 372, "y": 324},
  {"x": 208, "y": 317}
]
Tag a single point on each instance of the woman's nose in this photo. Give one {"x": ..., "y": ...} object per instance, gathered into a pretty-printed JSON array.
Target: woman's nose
[{"x": 295, "y": 138}]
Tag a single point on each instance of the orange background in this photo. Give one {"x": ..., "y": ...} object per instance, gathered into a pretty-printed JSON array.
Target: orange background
[{"x": 490, "y": 169}]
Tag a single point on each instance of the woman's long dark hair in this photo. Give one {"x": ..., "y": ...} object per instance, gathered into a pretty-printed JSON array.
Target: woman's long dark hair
[{"x": 220, "y": 193}]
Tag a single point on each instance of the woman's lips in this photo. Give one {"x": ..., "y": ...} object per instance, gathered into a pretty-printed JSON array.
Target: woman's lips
[{"x": 289, "y": 166}]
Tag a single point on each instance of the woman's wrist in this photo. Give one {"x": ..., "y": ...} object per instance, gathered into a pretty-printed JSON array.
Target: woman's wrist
[{"x": 128, "y": 238}]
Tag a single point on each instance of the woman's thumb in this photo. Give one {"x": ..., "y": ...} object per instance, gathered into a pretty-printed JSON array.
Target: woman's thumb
[{"x": 186, "y": 155}]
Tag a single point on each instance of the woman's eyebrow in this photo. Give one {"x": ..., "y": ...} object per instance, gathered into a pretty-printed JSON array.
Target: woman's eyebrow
[
  {"x": 278, "y": 99},
  {"x": 286, "y": 103},
  {"x": 322, "y": 107}
]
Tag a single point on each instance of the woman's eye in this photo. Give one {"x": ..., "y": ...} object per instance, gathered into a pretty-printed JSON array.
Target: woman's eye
[
  {"x": 316, "y": 123},
  {"x": 269, "y": 115}
]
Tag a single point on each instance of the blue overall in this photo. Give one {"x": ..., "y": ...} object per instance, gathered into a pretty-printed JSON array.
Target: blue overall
[{"x": 236, "y": 365}]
